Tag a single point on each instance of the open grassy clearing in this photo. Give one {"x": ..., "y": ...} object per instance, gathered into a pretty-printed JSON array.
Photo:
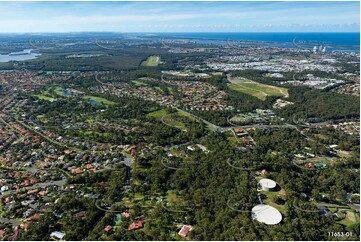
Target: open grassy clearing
[
  {"x": 343, "y": 153},
  {"x": 321, "y": 136},
  {"x": 350, "y": 219},
  {"x": 151, "y": 61},
  {"x": 175, "y": 152},
  {"x": 172, "y": 196},
  {"x": 184, "y": 115},
  {"x": 256, "y": 89},
  {"x": 43, "y": 97},
  {"x": 172, "y": 119},
  {"x": 139, "y": 83},
  {"x": 157, "y": 114},
  {"x": 271, "y": 195},
  {"x": 320, "y": 158},
  {"x": 170, "y": 90},
  {"x": 281, "y": 208},
  {"x": 331, "y": 205},
  {"x": 159, "y": 89}
]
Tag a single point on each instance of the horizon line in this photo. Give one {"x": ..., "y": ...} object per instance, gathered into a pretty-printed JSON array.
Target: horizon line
[{"x": 143, "y": 32}]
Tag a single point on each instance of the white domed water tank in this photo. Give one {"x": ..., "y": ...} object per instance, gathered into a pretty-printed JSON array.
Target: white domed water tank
[{"x": 266, "y": 214}]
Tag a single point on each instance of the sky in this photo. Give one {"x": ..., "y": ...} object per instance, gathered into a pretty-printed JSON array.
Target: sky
[{"x": 166, "y": 16}]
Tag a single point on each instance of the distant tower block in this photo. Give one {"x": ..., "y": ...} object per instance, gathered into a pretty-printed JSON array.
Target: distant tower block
[
  {"x": 324, "y": 50},
  {"x": 314, "y": 49},
  {"x": 267, "y": 185}
]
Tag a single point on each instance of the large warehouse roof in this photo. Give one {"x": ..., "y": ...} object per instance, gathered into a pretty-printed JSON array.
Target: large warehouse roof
[{"x": 266, "y": 214}]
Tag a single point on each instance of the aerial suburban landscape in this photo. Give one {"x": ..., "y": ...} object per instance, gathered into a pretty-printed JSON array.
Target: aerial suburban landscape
[{"x": 180, "y": 135}]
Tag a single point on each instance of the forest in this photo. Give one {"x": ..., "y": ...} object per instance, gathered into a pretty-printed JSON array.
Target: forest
[{"x": 205, "y": 187}]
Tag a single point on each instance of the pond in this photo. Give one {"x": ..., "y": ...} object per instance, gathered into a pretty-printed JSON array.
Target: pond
[
  {"x": 93, "y": 102},
  {"x": 66, "y": 93}
]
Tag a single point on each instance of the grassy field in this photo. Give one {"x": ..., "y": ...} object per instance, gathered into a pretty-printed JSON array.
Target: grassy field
[
  {"x": 43, "y": 97},
  {"x": 271, "y": 195},
  {"x": 157, "y": 114},
  {"x": 350, "y": 219},
  {"x": 172, "y": 196},
  {"x": 151, "y": 61},
  {"x": 159, "y": 89},
  {"x": 139, "y": 83},
  {"x": 256, "y": 89},
  {"x": 172, "y": 119},
  {"x": 170, "y": 90},
  {"x": 175, "y": 152}
]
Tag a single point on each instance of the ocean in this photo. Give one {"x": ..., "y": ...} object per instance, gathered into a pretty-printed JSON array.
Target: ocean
[{"x": 340, "y": 39}]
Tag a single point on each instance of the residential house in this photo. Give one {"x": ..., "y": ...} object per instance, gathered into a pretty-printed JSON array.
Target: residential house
[
  {"x": 15, "y": 236},
  {"x": 56, "y": 235},
  {"x": 135, "y": 225},
  {"x": 185, "y": 230},
  {"x": 108, "y": 228}
]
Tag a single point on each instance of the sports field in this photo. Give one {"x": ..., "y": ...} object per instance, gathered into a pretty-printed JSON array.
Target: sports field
[
  {"x": 151, "y": 61},
  {"x": 256, "y": 89}
]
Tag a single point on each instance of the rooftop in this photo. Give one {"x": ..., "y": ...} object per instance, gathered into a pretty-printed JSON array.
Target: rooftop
[{"x": 266, "y": 214}]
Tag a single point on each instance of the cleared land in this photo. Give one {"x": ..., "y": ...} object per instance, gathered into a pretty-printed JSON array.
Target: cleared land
[
  {"x": 256, "y": 89},
  {"x": 151, "y": 61}
]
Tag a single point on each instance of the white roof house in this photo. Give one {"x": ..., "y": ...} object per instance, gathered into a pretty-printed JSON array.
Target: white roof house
[
  {"x": 57, "y": 235},
  {"x": 4, "y": 188}
]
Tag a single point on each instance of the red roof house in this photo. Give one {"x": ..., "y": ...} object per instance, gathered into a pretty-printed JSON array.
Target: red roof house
[
  {"x": 135, "y": 225},
  {"x": 133, "y": 151},
  {"x": 67, "y": 152},
  {"x": 185, "y": 230},
  {"x": 2, "y": 233},
  {"x": 35, "y": 217},
  {"x": 108, "y": 228}
]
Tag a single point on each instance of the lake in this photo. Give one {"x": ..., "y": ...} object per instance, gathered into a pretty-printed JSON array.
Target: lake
[{"x": 19, "y": 56}]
